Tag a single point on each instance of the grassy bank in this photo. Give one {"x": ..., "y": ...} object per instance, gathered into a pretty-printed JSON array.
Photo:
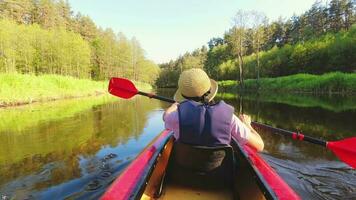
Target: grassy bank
[
  {"x": 16, "y": 89},
  {"x": 335, "y": 103},
  {"x": 335, "y": 82}
]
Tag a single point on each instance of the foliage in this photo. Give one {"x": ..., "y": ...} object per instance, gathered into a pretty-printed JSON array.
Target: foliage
[
  {"x": 171, "y": 70},
  {"x": 321, "y": 40},
  {"x": 332, "y": 52},
  {"x": 335, "y": 82},
  {"x": 43, "y": 36},
  {"x": 215, "y": 57},
  {"x": 31, "y": 49}
]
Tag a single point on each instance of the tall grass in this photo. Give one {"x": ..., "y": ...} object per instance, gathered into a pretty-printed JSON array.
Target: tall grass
[
  {"x": 18, "y": 89},
  {"x": 335, "y": 82},
  {"x": 24, "y": 88}
]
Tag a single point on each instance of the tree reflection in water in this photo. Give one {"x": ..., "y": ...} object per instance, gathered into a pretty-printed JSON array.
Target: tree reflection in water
[
  {"x": 313, "y": 171},
  {"x": 75, "y": 148},
  {"x": 44, "y": 153}
]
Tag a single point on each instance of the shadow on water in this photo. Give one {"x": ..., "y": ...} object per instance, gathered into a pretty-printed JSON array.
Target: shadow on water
[
  {"x": 313, "y": 171},
  {"x": 73, "y": 148}
]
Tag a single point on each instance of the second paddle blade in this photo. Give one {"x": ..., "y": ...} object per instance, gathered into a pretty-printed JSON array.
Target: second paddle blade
[
  {"x": 122, "y": 88},
  {"x": 345, "y": 150}
]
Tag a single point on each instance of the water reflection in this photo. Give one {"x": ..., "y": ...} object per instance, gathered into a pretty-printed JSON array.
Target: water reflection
[
  {"x": 75, "y": 148},
  {"x": 312, "y": 171},
  {"x": 74, "y": 152}
]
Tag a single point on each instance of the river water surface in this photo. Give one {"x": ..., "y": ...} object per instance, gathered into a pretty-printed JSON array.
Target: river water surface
[{"x": 73, "y": 149}]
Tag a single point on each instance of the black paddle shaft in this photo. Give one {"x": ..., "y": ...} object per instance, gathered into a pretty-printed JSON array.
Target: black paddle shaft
[
  {"x": 156, "y": 97},
  {"x": 297, "y": 136}
]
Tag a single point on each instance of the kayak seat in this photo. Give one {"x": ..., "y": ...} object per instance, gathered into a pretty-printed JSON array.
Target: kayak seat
[{"x": 201, "y": 166}]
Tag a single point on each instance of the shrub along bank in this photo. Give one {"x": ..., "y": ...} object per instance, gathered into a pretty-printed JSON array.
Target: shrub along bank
[{"x": 335, "y": 82}]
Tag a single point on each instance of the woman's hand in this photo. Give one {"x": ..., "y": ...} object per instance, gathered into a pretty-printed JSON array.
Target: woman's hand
[
  {"x": 254, "y": 139},
  {"x": 173, "y": 107},
  {"x": 245, "y": 119}
]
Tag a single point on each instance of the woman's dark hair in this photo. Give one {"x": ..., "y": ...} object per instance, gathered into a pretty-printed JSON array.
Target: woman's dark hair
[{"x": 203, "y": 99}]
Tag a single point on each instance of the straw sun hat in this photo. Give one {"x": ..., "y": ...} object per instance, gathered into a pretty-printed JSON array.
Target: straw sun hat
[{"x": 195, "y": 83}]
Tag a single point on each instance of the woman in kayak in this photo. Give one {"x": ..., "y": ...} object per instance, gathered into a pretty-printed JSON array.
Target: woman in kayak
[{"x": 198, "y": 120}]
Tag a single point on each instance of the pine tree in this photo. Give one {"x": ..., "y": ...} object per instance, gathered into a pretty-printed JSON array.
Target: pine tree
[{"x": 335, "y": 15}]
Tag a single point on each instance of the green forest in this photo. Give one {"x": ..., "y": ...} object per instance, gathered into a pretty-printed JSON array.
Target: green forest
[
  {"x": 40, "y": 37},
  {"x": 321, "y": 40},
  {"x": 46, "y": 37}
]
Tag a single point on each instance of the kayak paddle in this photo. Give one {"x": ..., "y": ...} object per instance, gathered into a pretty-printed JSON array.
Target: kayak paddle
[
  {"x": 126, "y": 89},
  {"x": 344, "y": 149}
]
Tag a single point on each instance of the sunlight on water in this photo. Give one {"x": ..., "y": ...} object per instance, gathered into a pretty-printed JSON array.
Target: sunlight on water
[{"x": 75, "y": 148}]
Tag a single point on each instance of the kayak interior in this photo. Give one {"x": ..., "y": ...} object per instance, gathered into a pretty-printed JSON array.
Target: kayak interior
[
  {"x": 170, "y": 178},
  {"x": 164, "y": 171}
]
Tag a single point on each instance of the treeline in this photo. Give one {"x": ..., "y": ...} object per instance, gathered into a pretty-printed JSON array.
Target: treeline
[
  {"x": 328, "y": 53},
  {"x": 44, "y": 36},
  {"x": 320, "y": 40},
  {"x": 32, "y": 49},
  {"x": 170, "y": 71}
]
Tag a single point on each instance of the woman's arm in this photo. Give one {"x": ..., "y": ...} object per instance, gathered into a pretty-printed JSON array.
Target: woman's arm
[
  {"x": 171, "y": 109},
  {"x": 254, "y": 139}
]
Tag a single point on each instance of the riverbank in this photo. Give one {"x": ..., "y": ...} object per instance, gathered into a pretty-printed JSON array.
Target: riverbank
[
  {"x": 18, "y": 89},
  {"x": 330, "y": 83},
  {"x": 334, "y": 103}
]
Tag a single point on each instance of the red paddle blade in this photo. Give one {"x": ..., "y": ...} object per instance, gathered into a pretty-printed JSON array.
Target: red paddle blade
[
  {"x": 122, "y": 88},
  {"x": 345, "y": 150}
]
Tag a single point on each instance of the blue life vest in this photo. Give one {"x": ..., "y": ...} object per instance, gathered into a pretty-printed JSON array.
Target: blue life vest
[{"x": 205, "y": 125}]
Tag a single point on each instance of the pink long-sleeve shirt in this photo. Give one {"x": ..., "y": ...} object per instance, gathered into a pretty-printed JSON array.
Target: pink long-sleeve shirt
[{"x": 238, "y": 129}]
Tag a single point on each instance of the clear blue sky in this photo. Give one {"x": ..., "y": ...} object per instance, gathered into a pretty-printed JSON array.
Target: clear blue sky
[{"x": 169, "y": 28}]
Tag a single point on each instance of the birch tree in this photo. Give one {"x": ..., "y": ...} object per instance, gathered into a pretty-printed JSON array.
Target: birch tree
[
  {"x": 238, "y": 39},
  {"x": 259, "y": 25}
]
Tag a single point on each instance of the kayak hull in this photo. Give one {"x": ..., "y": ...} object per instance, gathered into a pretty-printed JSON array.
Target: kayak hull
[{"x": 142, "y": 179}]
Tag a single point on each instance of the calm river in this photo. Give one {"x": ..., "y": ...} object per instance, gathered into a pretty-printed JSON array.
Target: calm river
[{"x": 73, "y": 149}]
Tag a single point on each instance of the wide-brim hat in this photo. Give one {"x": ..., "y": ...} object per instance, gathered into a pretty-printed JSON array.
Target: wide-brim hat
[{"x": 195, "y": 83}]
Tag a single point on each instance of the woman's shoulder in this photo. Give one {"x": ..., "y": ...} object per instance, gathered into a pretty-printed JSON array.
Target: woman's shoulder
[{"x": 171, "y": 117}]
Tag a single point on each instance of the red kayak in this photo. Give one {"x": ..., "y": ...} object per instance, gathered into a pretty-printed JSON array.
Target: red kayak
[{"x": 164, "y": 171}]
